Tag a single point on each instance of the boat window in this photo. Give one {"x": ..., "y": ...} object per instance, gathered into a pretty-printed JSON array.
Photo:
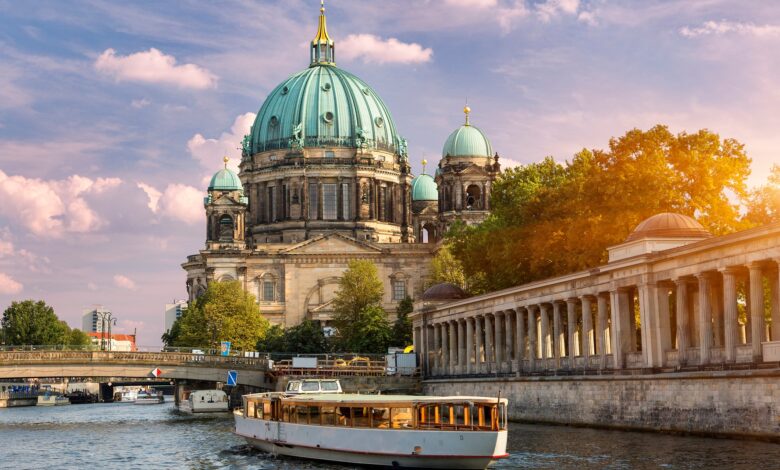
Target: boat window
[
  {"x": 312, "y": 386},
  {"x": 286, "y": 413},
  {"x": 380, "y": 418},
  {"x": 250, "y": 409},
  {"x": 502, "y": 416},
  {"x": 293, "y": 386},
  {"x": 400, "y": 418},
  {"x": 328, "y": 416},
  {"x": 329, "y": 386},
  {"x": 345, "y": 415},
  {"x": 267, "y": 409}
]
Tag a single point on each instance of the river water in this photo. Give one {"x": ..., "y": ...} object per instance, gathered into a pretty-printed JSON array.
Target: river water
[{"x": 127, "y": 436}]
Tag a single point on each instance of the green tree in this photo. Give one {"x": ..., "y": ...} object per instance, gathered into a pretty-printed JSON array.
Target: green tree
[
  {"x": 225, "y": 312},
  {"x": 361, "y": 327},
  {"x": 446, "y": 268},
  {"x": 274, "y": 340},
  {"x": 402, "y": 328},
  {"x": 550, "y": 219},
  {"x": 307, "y": 338},
  {"x": 171, "y": 337},
  {"x": 76, "y": 337},
  {"x": 31, "y": 322},
  {"x": 763, "y": 205}
]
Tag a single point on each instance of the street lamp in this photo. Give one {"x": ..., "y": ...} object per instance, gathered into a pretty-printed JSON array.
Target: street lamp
[{"x": 107, "y": 319}]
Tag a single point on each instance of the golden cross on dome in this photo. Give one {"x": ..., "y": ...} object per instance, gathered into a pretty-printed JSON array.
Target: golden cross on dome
[
  {"x": 424, "y": 162},
  {"x": 226, "y": 160}
]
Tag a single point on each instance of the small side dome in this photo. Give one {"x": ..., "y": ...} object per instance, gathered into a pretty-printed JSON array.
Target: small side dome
[
  {"x": 424, "y": 188},
  {"x": 669, "y": 225},
  {"x": 225, "y": 180},
  {"x": 467, "y": 141},
  {"x": 444, "y": 291}
]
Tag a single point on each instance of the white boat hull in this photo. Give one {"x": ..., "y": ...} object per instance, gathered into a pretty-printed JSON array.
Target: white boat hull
[
  {"x": 198, "y": 408},
  {"x": 368, "y": 446}
]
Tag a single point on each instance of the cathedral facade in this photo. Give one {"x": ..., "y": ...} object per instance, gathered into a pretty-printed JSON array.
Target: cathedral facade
[{"x": 324, "y": 179}]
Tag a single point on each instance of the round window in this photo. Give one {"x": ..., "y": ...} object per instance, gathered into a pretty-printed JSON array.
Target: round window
[
  {"x": 326, "y": 87},
  {"x": 274, "y": 121},
  {"x": 285, "y": 90},
  {"x": 379, "y": 121},
  {"x": 365, "y": 91},
  {"x": 327, "y": 117}
]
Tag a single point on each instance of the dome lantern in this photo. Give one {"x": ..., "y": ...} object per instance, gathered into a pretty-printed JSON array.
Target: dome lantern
[
  {"x": 322, "y": 46},
  {"x": 467, "y": 141}
]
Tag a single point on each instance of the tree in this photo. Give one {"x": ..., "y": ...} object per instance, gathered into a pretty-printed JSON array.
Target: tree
[
  {"x": 356, "y": 308},
  {"x": 550, "y": 219},
  {"x": 274, "y": 340},
  {"x": 31, "y": 322},
  {"x": 402, "y": 328},
  {"x": 76, "y": 337},
  {"x": 225, "y": 312},
  {"x": 304, "y": 338},
  {"x": 446, "y": 268},
  {"x": 763, "y": 205}
]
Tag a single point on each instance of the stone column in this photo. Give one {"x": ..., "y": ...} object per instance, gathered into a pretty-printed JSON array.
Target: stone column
[
  {"x": 417, "y": 342},
  {"x": 462, "y": 357},
  {"x": 498, "y": 340},
  {"x": 520, "y": 340},
  {"x": 545, "y": 330},
  {"x": 587, "y": 329},
  {"x": 489, "y": 331},
  {"x": 452, "y": 329},
  {"x": 756, "y": 310},
  {"x": 774, "y": 287},
  {"x": 445, "y": 348},
  {"x": 508, "y": 339},
  {"x": 705, "y": 319},
  {"x": 531, "y": 336},
  {"x": 654, "y": 336},
  {"x": 437, "y": 348},
  {"x": 470, "y": 353},
  {"x": 730, "y": 314},
  {"x": 601, "y": 330},
  {"x": 716, "y": 305},
  {"x": 682, "y": 320},
  {"x": 571, "y": 318},
  {"x": 557, "y": 334},
  {"x": 479, "y": 331}
]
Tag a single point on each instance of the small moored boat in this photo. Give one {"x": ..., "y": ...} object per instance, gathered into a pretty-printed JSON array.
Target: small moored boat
[
  {"x": 48, "y": 399},
  {"x": 400, "y": 431},
  {"x": 149, "y": 397},
  {"x": 204, "y": 401}
]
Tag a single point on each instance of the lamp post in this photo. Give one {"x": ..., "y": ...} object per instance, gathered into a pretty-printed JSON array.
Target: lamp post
[{"x": 106, "y": 319}]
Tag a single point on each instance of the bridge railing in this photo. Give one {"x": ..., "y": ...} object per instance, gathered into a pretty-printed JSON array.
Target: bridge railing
[{"x": 158, "y": 358}]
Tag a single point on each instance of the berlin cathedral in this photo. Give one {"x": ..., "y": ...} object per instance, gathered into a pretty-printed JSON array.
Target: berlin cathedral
[{"x": 324, "y": 179}]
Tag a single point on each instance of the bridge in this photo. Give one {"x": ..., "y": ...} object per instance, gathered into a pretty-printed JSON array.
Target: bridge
[{"x": 252, "y": 371}]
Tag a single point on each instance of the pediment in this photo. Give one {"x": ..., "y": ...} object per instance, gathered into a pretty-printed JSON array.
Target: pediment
[
  {"x": 224, "y": 200},
  {"x": 332, "y": 244}
]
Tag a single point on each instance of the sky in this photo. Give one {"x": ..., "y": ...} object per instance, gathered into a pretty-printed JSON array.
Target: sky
[{"x": 114, "y": 115}]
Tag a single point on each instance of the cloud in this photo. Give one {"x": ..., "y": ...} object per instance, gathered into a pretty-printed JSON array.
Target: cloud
[
  {"x": 587, "y": 17},
  {"x": 375, "y": 50},
  {"x": 92, "y": 286},
  {"x": 153, "y": 66},
  {"x": 209, "y": 152},
  {"x": 140, "y": 104},
  {"x": 8, "y": 285},
  {"x": 507, "y": 15},
  {"x": 550, "y": 9},
  {"x": 124, "y": 282},
  {"x": 719, "y": 28},
  {"x": 178, "y": 201},
  {"x": 472, "y": 3},
  {"x": 50, "y": 208}
]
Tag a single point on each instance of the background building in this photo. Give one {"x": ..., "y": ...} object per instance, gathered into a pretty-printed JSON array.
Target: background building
[
  {"x": 91, "y": 319},
  {"x": 116, "y": 342},
  {"x": 173, "y": 312}
]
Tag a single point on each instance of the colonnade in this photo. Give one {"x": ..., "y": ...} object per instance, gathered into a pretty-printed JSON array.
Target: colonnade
[{"x": 648, "y": 321}]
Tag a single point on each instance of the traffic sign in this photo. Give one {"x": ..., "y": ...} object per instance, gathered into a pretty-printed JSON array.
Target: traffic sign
[
  {"x": 156, "y": 372},
  {"x": 232, "y": 378}
]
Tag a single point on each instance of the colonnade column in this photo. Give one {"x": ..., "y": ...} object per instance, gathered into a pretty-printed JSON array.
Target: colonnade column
[
  {"x": 545, "y": 326},
  {"x": 730, "y": 314},
  {"x": 557, "y": 334},
  {"x": 437, "y": 347},
  {"x": 479, "y": 335},
  {"x": 681, "y": 306},
  {"x": 489, "y": 331},
  {"x": 452, "y": 327},
  {"x": 601, "y": 330},
  {"x": 462, "y": 356},
  {"x": 571, "y": 317},
  {"x": 470, "y": 345},
  {"x": 445, "y": 348},
  {"x": 775, "y": 290},
  {"x": 756, "y": 309},
  {"x": 520, "y": 340},
  {"x": 705, "y": 319},
  {"x": 510, "y": 348},
  {"x": 587, "y": 329},
  {"x": 498, "y": 340},
  {"x": 531, "y": 337}
]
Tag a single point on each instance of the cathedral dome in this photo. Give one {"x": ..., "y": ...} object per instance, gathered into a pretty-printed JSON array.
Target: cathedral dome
[
  {"x": 444, "y": 291},
  {"x": 424, "y": 188},
  {"x": 669, "y": 225},
  {"x": 225, "y": 180},
  {"x": 467, "y": 141},
  {"x": 323, "y": 106}
]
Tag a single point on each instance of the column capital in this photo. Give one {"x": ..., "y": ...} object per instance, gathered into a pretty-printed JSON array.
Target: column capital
[
  {"x": 572, "y": 300},
  {"x": 756, "y": 265},
  {"x": 587, "y": 296},
  {"x": 732, "y": 270},
  {"x": 704, "y": 275}
]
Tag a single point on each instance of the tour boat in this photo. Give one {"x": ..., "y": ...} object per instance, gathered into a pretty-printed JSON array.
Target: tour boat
[
  {"x": 128, "y": 395},
  {"x": 149, "y": 397},
  {"x": 204, "y": 401},
  {"x": 401, "y": 431},
  {"x": 52, "y": 400}
]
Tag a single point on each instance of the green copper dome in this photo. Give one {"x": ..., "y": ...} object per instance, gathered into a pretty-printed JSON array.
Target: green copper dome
[
  {"x": 225, "y": 180},
  {"x": 323, "y": 106},
  {"x": 467, "y": 141},
  {"x": 424, "y": 188}
]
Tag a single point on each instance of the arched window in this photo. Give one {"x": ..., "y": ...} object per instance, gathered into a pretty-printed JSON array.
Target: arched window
[
  {"x": 473, "y": 198},
  {"x": 226, "y": 228},
  {"x": 428, "y": 233}
]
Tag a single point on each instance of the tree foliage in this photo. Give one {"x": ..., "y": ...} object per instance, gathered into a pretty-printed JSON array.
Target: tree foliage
[
  {"x": 360, "y": 320},
  {"x": 402, "y": 328},
  {"x": 31, "y": 322},
  {"x": 305, "y": 338},
  {"x": 225, "y": 312},
  {"x": 446, "y": 268},
  {"x": 763, "y": 205},
  {"x": 549, "y": 219}
]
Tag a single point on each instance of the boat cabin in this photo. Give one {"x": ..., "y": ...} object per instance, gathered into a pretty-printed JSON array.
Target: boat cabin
[
  {"x": 312, "y": 386},
  {"x": 382, "y": 412}
]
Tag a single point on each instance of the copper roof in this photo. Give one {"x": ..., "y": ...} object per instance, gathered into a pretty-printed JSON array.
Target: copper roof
[
  {"x": 444, "y": 291},
  {"x": 669, "y": 225}
]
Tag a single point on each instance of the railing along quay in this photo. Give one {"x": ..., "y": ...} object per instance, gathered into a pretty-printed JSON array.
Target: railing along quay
[{"x": 160, "y": 358}]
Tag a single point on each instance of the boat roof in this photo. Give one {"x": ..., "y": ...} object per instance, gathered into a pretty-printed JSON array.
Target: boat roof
[{"x": 348, "y": 398}]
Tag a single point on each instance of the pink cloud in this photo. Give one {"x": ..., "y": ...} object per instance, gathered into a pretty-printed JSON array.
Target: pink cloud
[
  {"x": 373, "y": 49},
  {"x": 153, "y": 66},
  {"x": 209, "y": 152},
  {"x": 178, "y": 201},
  {"x": 124, "y": 282},
  {"x": 8, "y": 285}
]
